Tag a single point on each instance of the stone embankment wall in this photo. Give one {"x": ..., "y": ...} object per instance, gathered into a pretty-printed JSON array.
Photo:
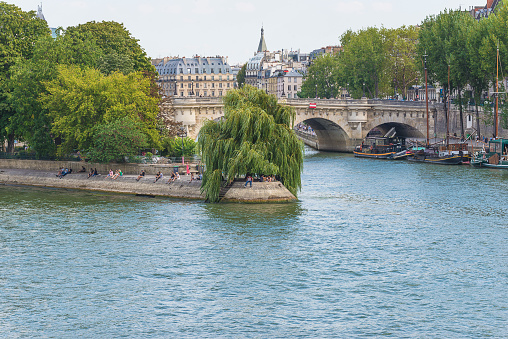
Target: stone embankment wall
[
  {"x": 43, "y": 165},
  {"x": 31, "y": 174}
]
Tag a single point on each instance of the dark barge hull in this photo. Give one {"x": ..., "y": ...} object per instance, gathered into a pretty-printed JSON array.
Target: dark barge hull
[{"x": 451, "y": 160}]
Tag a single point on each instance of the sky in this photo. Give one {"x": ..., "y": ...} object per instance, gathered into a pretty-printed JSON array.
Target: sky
[{"x": 232, "y": 28}]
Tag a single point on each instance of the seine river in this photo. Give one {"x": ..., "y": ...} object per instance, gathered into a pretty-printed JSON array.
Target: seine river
[{"x": 372, "y": 249}]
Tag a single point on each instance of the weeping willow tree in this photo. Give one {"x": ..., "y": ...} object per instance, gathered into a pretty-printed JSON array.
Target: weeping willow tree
[{"x": 254, "y": 138}]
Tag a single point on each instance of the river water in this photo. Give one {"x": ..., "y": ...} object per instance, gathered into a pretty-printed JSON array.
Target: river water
[{"x": 372, "y": 249}]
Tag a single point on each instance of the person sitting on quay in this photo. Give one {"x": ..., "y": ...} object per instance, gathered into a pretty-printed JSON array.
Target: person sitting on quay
[
  {"x": 91, "y": 173},
  {"x": 118, "y": 173},
  {"x": 174, "y": 176},
  {"x": 248, "y": 180},
  {"x": 65, "y": 172},
  {"x": 141, "y": 175},
  {"x": 60, "y": 171},
  {"x": 110, "y": 174},
  {"x": 158, "y": 176},
  {"x": 82, "y": 170}
]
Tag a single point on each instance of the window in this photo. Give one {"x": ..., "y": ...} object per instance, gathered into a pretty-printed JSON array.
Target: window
[
  {"x": 289, "y": 79},
  {"x": 289, "y": 87},
  {"x": 220, "y": 85},
  {"x": 296, "y": 87},
  {"x": 181, "y": 85},
  {"x": 204, "y": 78},
  {"x": 220, "y": 71},
  {"x": 197, "y": 93},
  {"x": 181, "y": 70},
  {"x": 213, "y": 93},
  {"x": 213, "y": 85},
  {"x": 205, "y": 93},
  {"x": 196, "y": 70},
  {"x": 211, "y": 70},
  {"x": 197, "y": 85},
  {"x": 181, "y": 78},
  {"x": 220, "y": 77},
  {"x": 181, "y": 94},
  {"x": 213, "y": 78},
  {"x": 228, "y": 84},
  {"x": 296, "y": 96},
  {"x": 228, "y": 77},
  {"x": 189, "y": 77},
  {"x": 220, "y": 93},
  {"x": 189, "y": 85},
  {"x": 204, "y": 85}
]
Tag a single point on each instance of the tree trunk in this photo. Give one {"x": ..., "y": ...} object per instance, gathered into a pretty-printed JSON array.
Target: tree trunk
[
  {"x": 10, "y": 143},
  {"x": 460, "y": 113}
]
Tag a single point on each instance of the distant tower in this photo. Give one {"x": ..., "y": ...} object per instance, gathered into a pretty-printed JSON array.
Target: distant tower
[
  {"x": 262, "y": 43},
  {"x": 39, "y": 12}
]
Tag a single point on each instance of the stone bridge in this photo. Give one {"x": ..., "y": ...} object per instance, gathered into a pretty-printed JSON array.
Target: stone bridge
[{"x": 339, "y": 124}]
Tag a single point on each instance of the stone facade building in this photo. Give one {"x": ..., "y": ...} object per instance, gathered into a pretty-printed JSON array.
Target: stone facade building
[
  {"x": 194, "y": 77},
  {"x": 265, "y": 67}
]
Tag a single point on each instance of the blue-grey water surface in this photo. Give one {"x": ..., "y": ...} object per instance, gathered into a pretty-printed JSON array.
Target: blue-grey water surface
[{"x": 372, "y": 249}]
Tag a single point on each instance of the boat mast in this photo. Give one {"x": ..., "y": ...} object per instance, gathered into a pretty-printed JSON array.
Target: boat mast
[
  {"x": 497, "y": 91},
  {"x": 449, "y": 110},
  {"x": 426, "y": 99}
]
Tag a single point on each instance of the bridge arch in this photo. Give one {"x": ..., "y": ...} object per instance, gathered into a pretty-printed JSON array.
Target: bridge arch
[
  {"x": 401, "y": 129},
  {"x": 330, "y": 136}
]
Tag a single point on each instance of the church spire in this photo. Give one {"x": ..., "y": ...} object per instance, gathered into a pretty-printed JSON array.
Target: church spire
[
  {"x": 262, "y": 43},
  {"x": 39, "y": 13}
]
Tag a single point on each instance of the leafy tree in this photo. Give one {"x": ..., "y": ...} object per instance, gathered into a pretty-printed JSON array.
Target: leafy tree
[
  {"x": 173, "y": 146},
  {"x": 114, "y": 62},
  {"x": 20, "y": 30},
  {"x": 401, "y": 68},
  {"x": 320, "y": 81},
  {"x": 80, "y": 99},
  {"x": 254, "y": 137},
  {"x": 479, "y": 76},
  {"x": 240, "y": 77},
  {"x": 116, "y": 49},
  {"x": 444, "y": 38},
  {"x": 362, "y": 62},
  {"x": 115, "y": 140},
  {"x": 30, "y": 119}
]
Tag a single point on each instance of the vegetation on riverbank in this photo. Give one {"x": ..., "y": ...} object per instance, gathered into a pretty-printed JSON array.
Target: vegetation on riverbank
[{"x": 254, "y": 138}]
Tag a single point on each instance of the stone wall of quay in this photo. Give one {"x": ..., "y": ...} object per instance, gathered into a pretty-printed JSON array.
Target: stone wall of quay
[
  {"x": 44, "y": 165},
  {"x": 43, "y": 174}
]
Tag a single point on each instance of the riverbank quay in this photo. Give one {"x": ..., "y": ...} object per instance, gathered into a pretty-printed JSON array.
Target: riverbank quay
[
  {"x": 127, "y": 168},
  {"x": 183, "y": 188}
]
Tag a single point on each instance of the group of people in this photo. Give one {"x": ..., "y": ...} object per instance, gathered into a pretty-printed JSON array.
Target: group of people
[
  {"x": 114, "y": 175},
  {"x": 93, "y": 172},
  {"x": 260, "y": 178},
  {"x": 63, "y": 172}
]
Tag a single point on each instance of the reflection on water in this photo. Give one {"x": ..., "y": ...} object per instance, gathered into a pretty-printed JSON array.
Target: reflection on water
[{"x": 372, "y": 248}]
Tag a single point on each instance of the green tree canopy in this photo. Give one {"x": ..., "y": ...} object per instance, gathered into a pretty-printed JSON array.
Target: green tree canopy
[
  {"x": 320, "y": 81},
  {"x": 254, "y": 137},
  {"x": 240, "y": 77},
  {"x": 362, "y": 61},
  {"x": 173, "y": 146},
  {"x": 79, "y": 99},
  {"x": 401, "y": 69},
  {"x": 115, "y": 140},
  {"x": 444, "y": 38},
  {"x": 115, "y": 48},
  {"x": 18, "y": 35}
]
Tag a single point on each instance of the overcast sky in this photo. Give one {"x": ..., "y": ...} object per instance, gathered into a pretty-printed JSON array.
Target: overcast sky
[{"x": 232, "y": 28}]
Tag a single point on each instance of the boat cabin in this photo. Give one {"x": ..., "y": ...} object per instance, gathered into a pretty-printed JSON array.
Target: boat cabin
[{"x": 498, "y": 152}]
